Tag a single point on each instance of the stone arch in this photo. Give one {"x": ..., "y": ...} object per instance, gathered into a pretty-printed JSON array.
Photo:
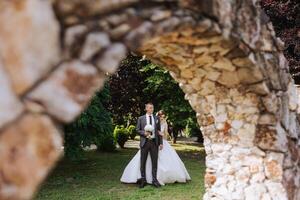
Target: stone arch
[
  {"x": 245, "y": 137},
  {"x": 230, "y": 67}
]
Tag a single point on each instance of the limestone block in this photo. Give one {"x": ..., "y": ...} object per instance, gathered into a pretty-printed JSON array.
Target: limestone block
[
  {"x": 276, "y": 190},
  {"x": 243, "y": 174},
  {"x": 93, "y": 44},
  {"x": 255, "y": 191},
  {"x": 204, "y": 59},
  {"x": 187, "y": 73},
  {"x": 160, "y": 15},
  {"x": 294, "y": 129},
  {"x": 213, "y": 75},
  {"x": 29, "y": 147},
  {"x": 29, "y": 41},
  {"x": 259, "y": 88},
  {"x": 200, "y": 73},
  {"x": 249, "y": 76},
  {"x": 224, "y": 64},
  {"x": 196, "y": 83},
  {"x": 293, "y": 96},
  {"x": 111, "y": 58},
  {"x": 237, "y": 124},
  {"x": 271, "y": 138},
  {"x": 67, "y": 91},
  {"x": 92, "y": 7},
  {"x": 10, "y": 105},
  {"x": 188, "y": 89},
  {"x": 72, "y": 34},
  {"x": 257, "y": 177},
  {"x": 207, "y": 87},
  {"x": 136, "y": 37},
  {"x": 284, "y": 112},
  {"x": 273, "y": 166},
  {"x": 120, "y": 31},
  {"x": 229, "y": 79},
  {"x": 267, "y": 119},
  {"x": 271, "y": 103},
  {"x": 243, "y": 62},
  {"x": 246, "y": 135}
]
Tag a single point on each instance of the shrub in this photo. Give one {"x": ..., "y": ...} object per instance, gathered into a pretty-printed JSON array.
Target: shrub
[
  {"x": 188, "y": 130},
  {"x": 132, "y": 131},
  {"x": 121, "y": 135},
  {"x": 106, "y": 143}
]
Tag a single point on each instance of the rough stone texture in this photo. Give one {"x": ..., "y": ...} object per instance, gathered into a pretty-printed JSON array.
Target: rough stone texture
[
  {"x": 223, "y": 54},
  {"x": 29, "y": 42},
  {"x": 28, "y": 150},
  {"x": 231, "y": 112},
  {"x": 71, "y": 85},
  {"x": 10, "y": 106},
  {"x": 111, "y": 58}
]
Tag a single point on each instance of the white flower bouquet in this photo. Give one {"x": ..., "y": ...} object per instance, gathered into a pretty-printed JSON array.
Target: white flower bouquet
[{"x": 149, "y": 128}]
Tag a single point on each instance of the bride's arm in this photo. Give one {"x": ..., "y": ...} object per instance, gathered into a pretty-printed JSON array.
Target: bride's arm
[
  {"x": 161, "y": 131},
  {"x": 159, "y": 135},
  {"x": 167, "y": 132}
]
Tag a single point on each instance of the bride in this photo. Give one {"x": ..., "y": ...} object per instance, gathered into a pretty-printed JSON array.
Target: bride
[{"x": 170, "y": 168}]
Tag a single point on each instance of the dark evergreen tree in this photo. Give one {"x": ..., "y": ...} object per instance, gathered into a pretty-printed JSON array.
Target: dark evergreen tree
[
  {"x": 126, "y": 89},
  {"x": 93, "y": 126}
]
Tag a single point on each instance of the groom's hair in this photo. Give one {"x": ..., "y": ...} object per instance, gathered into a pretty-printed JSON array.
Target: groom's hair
[{"x": 149, "y": 103}]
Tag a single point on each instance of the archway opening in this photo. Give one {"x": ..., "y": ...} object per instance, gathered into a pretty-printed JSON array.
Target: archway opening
[{"x": 117, "y": 107}]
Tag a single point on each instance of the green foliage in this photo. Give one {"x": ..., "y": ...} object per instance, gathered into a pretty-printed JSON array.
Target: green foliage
[
  {"x": 121, "y": 135},
  {"x": 126, "y": 87},
  {"x": 106, "y": 142},
  {"x": 168, "y": 96},
  {"x": 93, "y": 126},
  {"x": 132, "y": 131},
  {"x": 188, "y": 131},
  {"x": 139, "y": 81}
]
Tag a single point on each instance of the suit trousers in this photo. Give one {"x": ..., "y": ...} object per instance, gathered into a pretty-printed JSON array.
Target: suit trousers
[{"x": 151, "y": 147}]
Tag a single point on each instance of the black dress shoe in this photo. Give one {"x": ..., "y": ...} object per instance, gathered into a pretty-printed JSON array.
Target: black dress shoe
[
  {"x": 156, "y": 184},
  {"x": 142, "y": 183}
]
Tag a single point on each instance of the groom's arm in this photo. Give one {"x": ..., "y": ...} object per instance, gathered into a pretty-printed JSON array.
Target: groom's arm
[{"x": 139, "y": 128}]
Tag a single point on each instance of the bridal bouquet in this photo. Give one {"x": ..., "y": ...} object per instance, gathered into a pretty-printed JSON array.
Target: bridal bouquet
[{"x": 149, "y": 128}]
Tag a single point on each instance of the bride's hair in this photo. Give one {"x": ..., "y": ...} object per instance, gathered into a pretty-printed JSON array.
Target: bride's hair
[{"x": 160, "y": 113}]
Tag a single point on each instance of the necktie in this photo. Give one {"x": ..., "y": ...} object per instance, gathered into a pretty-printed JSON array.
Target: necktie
[{"x": 150, "y": 118}]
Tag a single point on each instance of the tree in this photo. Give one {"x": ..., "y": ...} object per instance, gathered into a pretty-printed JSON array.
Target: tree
[
  {"x": 139, "y": 81},
  {"x": 168, "y": 96},
  {"x": 93, "y": 126},
  {"x": 126, "y": 89}
]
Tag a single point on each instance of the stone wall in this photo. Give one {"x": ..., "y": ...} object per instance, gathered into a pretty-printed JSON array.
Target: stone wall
[
  {"x": 55, "y": 54},
  {"x": 248, "y": 126}
]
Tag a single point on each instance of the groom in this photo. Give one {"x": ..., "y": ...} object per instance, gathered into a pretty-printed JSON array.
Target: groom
[{"x": 149, "y": 142}]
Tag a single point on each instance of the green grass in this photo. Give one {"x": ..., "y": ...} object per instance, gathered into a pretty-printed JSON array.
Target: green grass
[{"x": 97, "y": 178}]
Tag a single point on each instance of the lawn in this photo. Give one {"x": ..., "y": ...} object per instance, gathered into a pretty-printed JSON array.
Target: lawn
[{"x": 97, "y": 178}]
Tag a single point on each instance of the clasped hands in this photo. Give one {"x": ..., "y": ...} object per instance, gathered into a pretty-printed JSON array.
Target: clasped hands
[{"x": 148, "y": 135}]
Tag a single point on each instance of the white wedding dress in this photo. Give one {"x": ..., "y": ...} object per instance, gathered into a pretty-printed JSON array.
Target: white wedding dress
[{"x": 170, "y": 168}]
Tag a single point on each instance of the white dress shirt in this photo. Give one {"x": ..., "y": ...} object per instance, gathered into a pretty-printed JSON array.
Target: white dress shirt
[{"x": 153, "y": 123}]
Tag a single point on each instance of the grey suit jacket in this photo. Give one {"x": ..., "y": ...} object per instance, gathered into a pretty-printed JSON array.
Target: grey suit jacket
[{"x": 140, "y": 127}]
